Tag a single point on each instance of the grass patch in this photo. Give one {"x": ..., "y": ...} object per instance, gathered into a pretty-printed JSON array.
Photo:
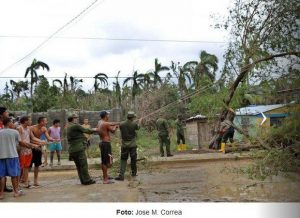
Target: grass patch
[
  {"x": 147, "y": 145},
  {"x": 270, "y": 163}
]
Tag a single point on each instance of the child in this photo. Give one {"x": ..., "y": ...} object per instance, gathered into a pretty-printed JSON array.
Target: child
[{"x": 54, "y": 132}]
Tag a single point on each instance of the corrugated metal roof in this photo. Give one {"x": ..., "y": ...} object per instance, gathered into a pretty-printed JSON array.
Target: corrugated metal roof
[
  {"x": 197, "y": 117},
  {"x": 256, "y": 109}
]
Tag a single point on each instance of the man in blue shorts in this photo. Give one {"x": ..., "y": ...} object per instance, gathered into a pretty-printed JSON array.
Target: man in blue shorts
[
  {"x": 55, "y": 133},
  {"x": 9, "y": 159}
]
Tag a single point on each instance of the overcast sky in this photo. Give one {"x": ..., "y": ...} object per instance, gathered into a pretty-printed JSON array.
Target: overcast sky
[{"x": 129, "y": 19}]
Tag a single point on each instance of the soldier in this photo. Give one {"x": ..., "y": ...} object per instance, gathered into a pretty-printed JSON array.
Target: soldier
[
  {"x": 76, "y": 139},
  {"x": 163, "y": 135},
  {"x": 88, "y": 137},
  {"x": 180, "y": 132},
  {"x": 128, "y": 130}
]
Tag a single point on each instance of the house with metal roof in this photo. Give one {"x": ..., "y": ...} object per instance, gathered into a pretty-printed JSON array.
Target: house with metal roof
[{"x": 256, "y": 119}]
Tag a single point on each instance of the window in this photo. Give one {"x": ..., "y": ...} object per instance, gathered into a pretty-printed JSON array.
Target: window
[
  {"x": 245, "y": 122},
  {"x": 276, "y": 121}
]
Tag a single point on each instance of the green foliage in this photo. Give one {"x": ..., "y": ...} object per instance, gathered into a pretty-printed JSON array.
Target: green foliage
[
  {"x": 270, "y": 163},
  {"x": 155, "y": 73},
  {"x": 32, "y": 70},
  {"x": 287, "y": 134},
  {"x": 206, "y": 68},
  {"x": 210, "y": 101},
  {"x": 45, "y": 97},
  {"x": 284, "y": 156},
  {"x": 257, "y": 29}
]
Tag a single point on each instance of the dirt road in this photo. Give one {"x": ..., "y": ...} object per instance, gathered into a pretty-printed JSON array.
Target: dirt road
[{"x": 189, "y": 182}]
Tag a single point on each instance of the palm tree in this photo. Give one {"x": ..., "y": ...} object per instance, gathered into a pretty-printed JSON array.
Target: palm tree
[
  {"x": 137, "y": 81},
  {"x": 32, "y": 70},
  {"x": 57, "y": 81},
  {"x": 6, "y": 88},
  {"x": 207, "y": 66},
  {"x": 183, "y": 74},
  {"x": 155, "y": 73},
  {"x": 18, "y": 87},
  {"x": 7, "y": 97},
  {"x": 117, "y": 88},
  {"x": 75, "y": 83},
  {"x": 147, "y": 81},
  {"x": 102, "y": 77}
]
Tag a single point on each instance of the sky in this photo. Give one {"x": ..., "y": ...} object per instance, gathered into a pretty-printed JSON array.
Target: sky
[{"x": 26, "y": 24}]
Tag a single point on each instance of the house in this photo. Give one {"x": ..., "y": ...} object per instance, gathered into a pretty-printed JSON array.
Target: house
[{"x": 256, "y": 119}]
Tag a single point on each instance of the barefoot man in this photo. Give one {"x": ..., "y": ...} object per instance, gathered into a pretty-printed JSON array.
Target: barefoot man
[
  {"x": 106, "y": 155},
  {"x": 25, "y": 156},
  {"x": 36, "y": 132}
]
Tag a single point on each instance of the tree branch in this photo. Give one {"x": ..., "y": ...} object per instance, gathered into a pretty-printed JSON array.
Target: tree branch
[{"x": 248, "y": 67}]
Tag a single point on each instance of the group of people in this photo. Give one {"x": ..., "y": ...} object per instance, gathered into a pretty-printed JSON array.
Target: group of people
[
  {"x": 78, "y": 135},
  {"x": 22, "y": 147}
]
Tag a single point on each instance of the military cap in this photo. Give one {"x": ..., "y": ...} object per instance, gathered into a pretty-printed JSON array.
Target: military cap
[{"x": 130, "y": 114}]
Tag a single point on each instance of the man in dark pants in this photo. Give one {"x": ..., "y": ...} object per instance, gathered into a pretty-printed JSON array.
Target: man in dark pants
[
  {"x": 128, "y": 130},
  {"x": 104, "y": 129},
  {"x": 76, "y": 139},
  {"x": 163, "y": 135},
  {"x": 179, "y": 131}
]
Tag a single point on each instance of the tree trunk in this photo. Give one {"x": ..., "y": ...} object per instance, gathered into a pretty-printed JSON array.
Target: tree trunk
[{"x": 243, "y": 72}]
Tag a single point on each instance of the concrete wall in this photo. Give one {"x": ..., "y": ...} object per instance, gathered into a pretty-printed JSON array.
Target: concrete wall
[
  {"x": 250, "y": 128},
  {"x": 62, "y": 115},
  {"x": 192, "y": 134},
  {"x": 198, "y": 133}
]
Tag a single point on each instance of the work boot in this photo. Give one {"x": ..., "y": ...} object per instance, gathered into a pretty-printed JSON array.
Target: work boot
[
  {"x": 170, "y": 155},
  {"x": 119, "y": 178},
  {"x": 89, "y": 182}
]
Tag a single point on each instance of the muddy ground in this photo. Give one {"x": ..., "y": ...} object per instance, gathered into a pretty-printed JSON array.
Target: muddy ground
[{"x": 189, "y": 182}]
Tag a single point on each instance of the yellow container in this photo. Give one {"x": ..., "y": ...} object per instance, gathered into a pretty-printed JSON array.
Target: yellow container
[
  {"x": 179, "y": 147},
  {"x": 183, "y": 147},
  {"x": 223, "y": 144}
]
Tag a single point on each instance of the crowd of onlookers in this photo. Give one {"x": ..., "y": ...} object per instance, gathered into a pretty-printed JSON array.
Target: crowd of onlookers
[{"x": 22, "y": 146}]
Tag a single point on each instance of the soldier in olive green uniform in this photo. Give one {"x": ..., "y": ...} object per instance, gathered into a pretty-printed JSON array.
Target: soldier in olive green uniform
[
  {"x": 163, "y": 135},
  {"x": 128, "y": 130},
  {"x": 179, "y": 130},
  {"x": 76, "y": 139}
]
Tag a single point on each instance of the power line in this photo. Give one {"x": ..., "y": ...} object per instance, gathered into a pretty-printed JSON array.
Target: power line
[
  {"x": 78, "y": 77},
  {"x": 183, "y": 98},
  {"x": 51, "y": 36},
  {"x": 116, "y": 39}
]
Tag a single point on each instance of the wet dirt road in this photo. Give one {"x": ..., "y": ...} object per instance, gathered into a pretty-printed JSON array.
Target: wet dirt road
[{"x": 189, "y": 182}]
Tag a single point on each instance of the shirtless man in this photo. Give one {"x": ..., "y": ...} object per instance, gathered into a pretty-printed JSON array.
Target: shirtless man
[
  {"x": 36, "y": 132},
  {"x": 25, "y": 156},
  {"x": 106, "y": 155}
]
